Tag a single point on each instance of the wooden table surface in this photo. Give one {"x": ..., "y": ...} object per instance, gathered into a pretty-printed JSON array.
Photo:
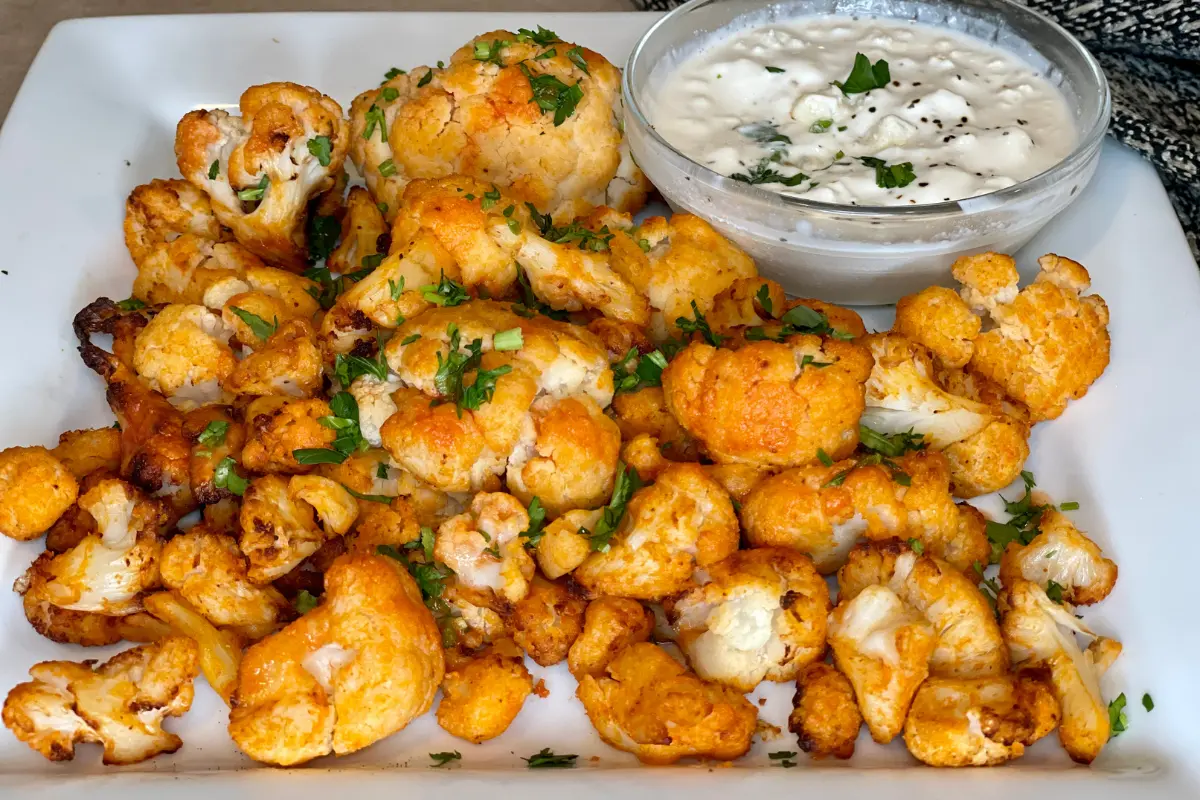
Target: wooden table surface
[{"x": 25, "y": 23}]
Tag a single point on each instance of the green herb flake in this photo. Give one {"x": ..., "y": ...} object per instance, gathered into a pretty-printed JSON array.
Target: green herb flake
[
  {"x": 647, "y": 372},
  {"x": 394, "y": 72},
  {"x": 824, "y": 458},
  {"x": 383, "y": 207},
  {"x": 258, "y": 326},
  {"x": 546, "y": 759},
  {"x": 426, "y": 78},
  {"x": 575, "y": 54},
  {"x": 784, "y": 758},
  {"x": 624, "y": 485},
  {"x": 1118, "y": 723},
  {"x": 1147, "y": 702},
  {"x": 1069, "y": 506},
  {"x": 430, "y": 578},
  {"x": 322, "y": 148},
  {"x": 775, "y": 70},
  {"x": 213, "y": 434},
  {"x": 225, "y": 476},
  {"x": 894, "y": 176},
  {"x": 255, "y": 193},
  {"x": 388, "y": 93},
  {"x": 541, "y": 36},
  {"x": 407, "y": 340},
  {"x": 892, "y": 445},
  {"x": 865, "y": 76},
  {"x": 551, "y": 53},
  {"x": 644, "y": 244},
  {"x": 763, "y": 172},
  {"x": 395, "y": 289},
  {"x": 130, "y": 304},
  {"x": 445, "y": 292},
  {"x": 1054, "y": 591},
  {"x": 510, "y": 339},
  {"x": 763, "y": 295},
  {"x": 552, "y": 95},
  {"x": 387, "y": 168},
  {"x": 820, "y": 126},
  {"x": 442, "y": 759},
  {"x": 537, "y": 520},
  {"x": 322, "y": 233},
  {"x": 214, "y": 169},
  {"x": 699, "y": 324},
  {"x": 916, "y": 546},
  {"x": 491, "y": 52},
  {"x": 490, "y": 198},
  {"x": 306, "y": 601},
  {"x": 381, "y": 471}
]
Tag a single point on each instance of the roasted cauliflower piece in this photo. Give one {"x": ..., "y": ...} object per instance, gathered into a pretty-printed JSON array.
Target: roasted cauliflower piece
[
  {"x": 162, "y": 211},
  {"x": 644, "y": 412},
  {"x": 479, "y": 118},
  {"x": 562, "y": 547},
  {"x": 279, "y": 521},
  {"x": 86, "y": 628},
  {"x": 209, "y": 571},
  {"x": 276, "y": 427},
  {"x": 35, "y": 490},
  {"x": 882, "y": 645},
  {"x": 84, "y": 452},
  {"x": 482, "y": 694},
  {"x": 767, "y": 403},
  {"x": 651, "y": 706},
  {"x": 359, "y": 667},
  {"x": 682, "y": 523},
  {"x": 1061, "y": 554},
  {"x": 1049, "y": 342},
  {"x": 823, "y": 510},
  {"x": 120, "y": 704},
  {"x": 547, "y": 621},
  {"x": 940, "y": 320},
  {"x": 288, "y": 363},
  {"x": 1041, "y": 635},
  {"x": 825, "y": 716},
  {"x": 184, "y": 353},
  {"x": 969, "y": 644},
  {"x": 760, "y": 616},
  {"x": 978, "y": 722},
  {"x": 484, "y": 548},
  {"x": 260, "y": 170},
  {"x": 365, "y": 235},
  {"x": 610, "y": 624},
  {"x": 274, "y": 295}
]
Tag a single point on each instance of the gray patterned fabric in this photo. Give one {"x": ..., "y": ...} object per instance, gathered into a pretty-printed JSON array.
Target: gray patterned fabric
[{"x": 1150, "y": 50}]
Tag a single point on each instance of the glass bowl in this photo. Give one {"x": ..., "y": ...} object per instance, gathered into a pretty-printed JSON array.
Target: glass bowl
[{"x": 867, "y": 255}]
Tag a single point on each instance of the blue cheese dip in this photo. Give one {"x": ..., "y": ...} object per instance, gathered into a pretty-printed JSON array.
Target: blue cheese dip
[{"x": 860, "y": 111}]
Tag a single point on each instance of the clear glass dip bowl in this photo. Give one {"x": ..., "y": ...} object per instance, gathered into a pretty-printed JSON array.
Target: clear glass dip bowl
[{"x": 867, "y": 255}]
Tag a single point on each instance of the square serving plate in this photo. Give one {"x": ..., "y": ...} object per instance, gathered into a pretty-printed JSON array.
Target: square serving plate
[{"x": 96, "y": 116}]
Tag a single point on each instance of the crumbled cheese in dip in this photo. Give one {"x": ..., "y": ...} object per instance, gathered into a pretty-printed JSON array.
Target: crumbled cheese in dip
[{"x": 956, "y": 118}]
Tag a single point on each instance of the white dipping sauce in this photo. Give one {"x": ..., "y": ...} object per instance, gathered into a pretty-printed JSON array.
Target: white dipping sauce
[{"x": 970, "y": 118}]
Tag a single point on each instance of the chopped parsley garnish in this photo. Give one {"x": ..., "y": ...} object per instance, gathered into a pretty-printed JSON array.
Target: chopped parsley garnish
[
  {"x": 383, "y": 207},
  {"x": 388, "y": 93},
  {"x": 255, "y": 193},
  {"x": 510, "y": 339},
  {"x": 322, "y": 148},
  {"x": 865, "y": 76},
  {"x": 763, "y": 295},
  {"x": 541, "y": 36},
  {"x": 375, "y": 119},
  {"x": 430, "y": 577},
  {"x": 1054, "y": 591},
  {"x": 800, "y": 319},
  {"x": 537, "y": 520},
  {"x": 225, "y": 476},
  {"x": 775, "y": 70},
  {"x": 917, "y": 546},
  {"x": 763, "y": 172},
  {"x": 626, "y": 483},
  {"x": 372, "y": 498},
  {"x": 895, "y": 176},
  {"x": 809, "y": 361},
  {"x": 322, "y": 234},
  {"x": 1147, "y": 702},
  {"x": 453, "y": 368},
  {"x": 575, "y": 54},
  {"x": 394, "y": 72},
  {"x": 514, "y": 226},
  {"x": 347, "y": 367},
  {"x": 442, "y": 759},
  {"x": 551, "y": 94},
  {"x": 213, "y": 434},
  {"x": 551, "y": 53},
  {"x": 426, "y": 78},
  {"x": 318, "y": 455},
  {"x": 130, "y": 304},
  {"x": 824, "y": 458},
  {"x": 820, "y": 126},
  {"x": 892, "y": 445},
  {"x": 871, "y": 459},
  {"x": 387, "y": 168},
  {"x": 644, "y": 244},
  {"x": 1070, "y": 505},
  {"x": 395, "y": 289},
  {"x": 647, "y": 372},
  {"x": 490, "y": 52},
  {"x": 343, "y": 420},
  {"x": 1024, "y": 522},
  {"x": 214, "y": 169},
  {"x": 584, "y": 238},
  {"x": 306, "y": 601},
  {"x": 700, "y": 325},
  {"x": 407, "y": 340},
  {"x": 1118, "y": 723},
  {"x": 988, "y": 587},
  {"x": 764, "y": 133},
  {"x": 784, "y": 757},
  {"x": 445, "y": 292},
  {"x": 483, "y": 388},
  {"x": 490, "y": 198},
  {"x": 381, "y": 471},
  {"x": 258, "y": 326},
  {"x": 546, "y": 759}
]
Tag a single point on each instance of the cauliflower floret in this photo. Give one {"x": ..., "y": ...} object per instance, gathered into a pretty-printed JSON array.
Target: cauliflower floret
[
  {"x": 651, "y": 706},
  {"x": 769, "y": 403},
  {"x": 477, "y": 618},
  {"x": 825, "y": 716},
  {"x": 484, "y": 547},
  {"x": 978, "y": 722},
  {"x": 120, "y": 704},
  {"x": 562, "y": 548},
  {"x": 209, "y": 571},
  {"x": 223, "y": 437},
  {"x": 482, "y": 695},
  {"x": 823, "y": 510},
  {"x": 278, "y": 426},
  {"x": 548, "y": 621},
  {"x": 288, "y": 363},
  {"x": 479, "y": 118},
  {"x": 286, "y": 148},
  {"x": 162, "y": 211},
  {"x": 682, "y": 523},
  {"x": 1063, "y": 554},
  {"x": 184, "y": 270},
  {"x": 750, "y": 302},
  {"x": 35, "y": 490},
  {"x": 279, "y": 521},
  {"x": 1041, "y": 634},
  {"x": 86, "y": 628},
  {"x": 359, "y": 667},
  {"x": 610, "y": 625},
  {"x": 969, "y": 644},
  {"x": 184, "y": 353},
  {"x": 268, "y": 292},
  {"x": 883, "y": 645},
  {"x": 1048, "y": 343},
  {"x": 365, "y": 235},
  {"x": 645, "y": 412},
  {"x": 940, "y": 320},
  {"x": 84, "y": 452},
  {"x": 761, "y": 616}
]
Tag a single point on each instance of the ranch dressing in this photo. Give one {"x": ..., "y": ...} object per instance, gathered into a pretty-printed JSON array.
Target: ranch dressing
[{"x": 966, "y": 117}]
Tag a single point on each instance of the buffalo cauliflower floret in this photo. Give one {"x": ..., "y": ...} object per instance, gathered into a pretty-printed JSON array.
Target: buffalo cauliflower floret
[
  {"x": 562, "y": 547},
  {"x": 479, "y": 118},
  {"x": 209, "y": 571},
  {"x": 645, "y": 412},
  {"x": 1048, "y": 343},
  {"x": 760, "y": 616},
  {"x": 35, "y": 490},
  {"x": 769, "y": 403},
  {"x": 1061, "y": 554},
  {"x": 260, "y": 170},
  {"x": 754, "y": 302},
  {"x": 183, "y": 271},
  {"x": 548, "y": 621},
  {"x": 610, "y": 624},
  {"x": 84, "y": 452},
  {"x": 940, "y": 320},
  {"x": 184, "y": 353},
  {"x": 276, "y": 427},
  {"x": 365, "y": 235},
  {"x": 682, "y": 523},
  {"x": 883, "y": 645},
  {"x": 969, "y": 644},
  {"x": 120, "y": 704},
  {"x": 288, "y": 363},
  {"x": 484, "y": 547},
  {"x": 651, "y": 706},
  {"x": 1041, "y": 634},
  {"x": 482, "y": 694},
  {"x": 86, "y": 628},
  {"x": 215, "y": 436},
  {"x": 823, "y": 510},
  {"x": 161, "y": 211},
  {"x": 978, "y": 722},
  {"x": 268, "y": 292},
  {"x": 825, "y": 716},
  {"x": 279, "y": 521},
  {"x": 359, "y": 667}
]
